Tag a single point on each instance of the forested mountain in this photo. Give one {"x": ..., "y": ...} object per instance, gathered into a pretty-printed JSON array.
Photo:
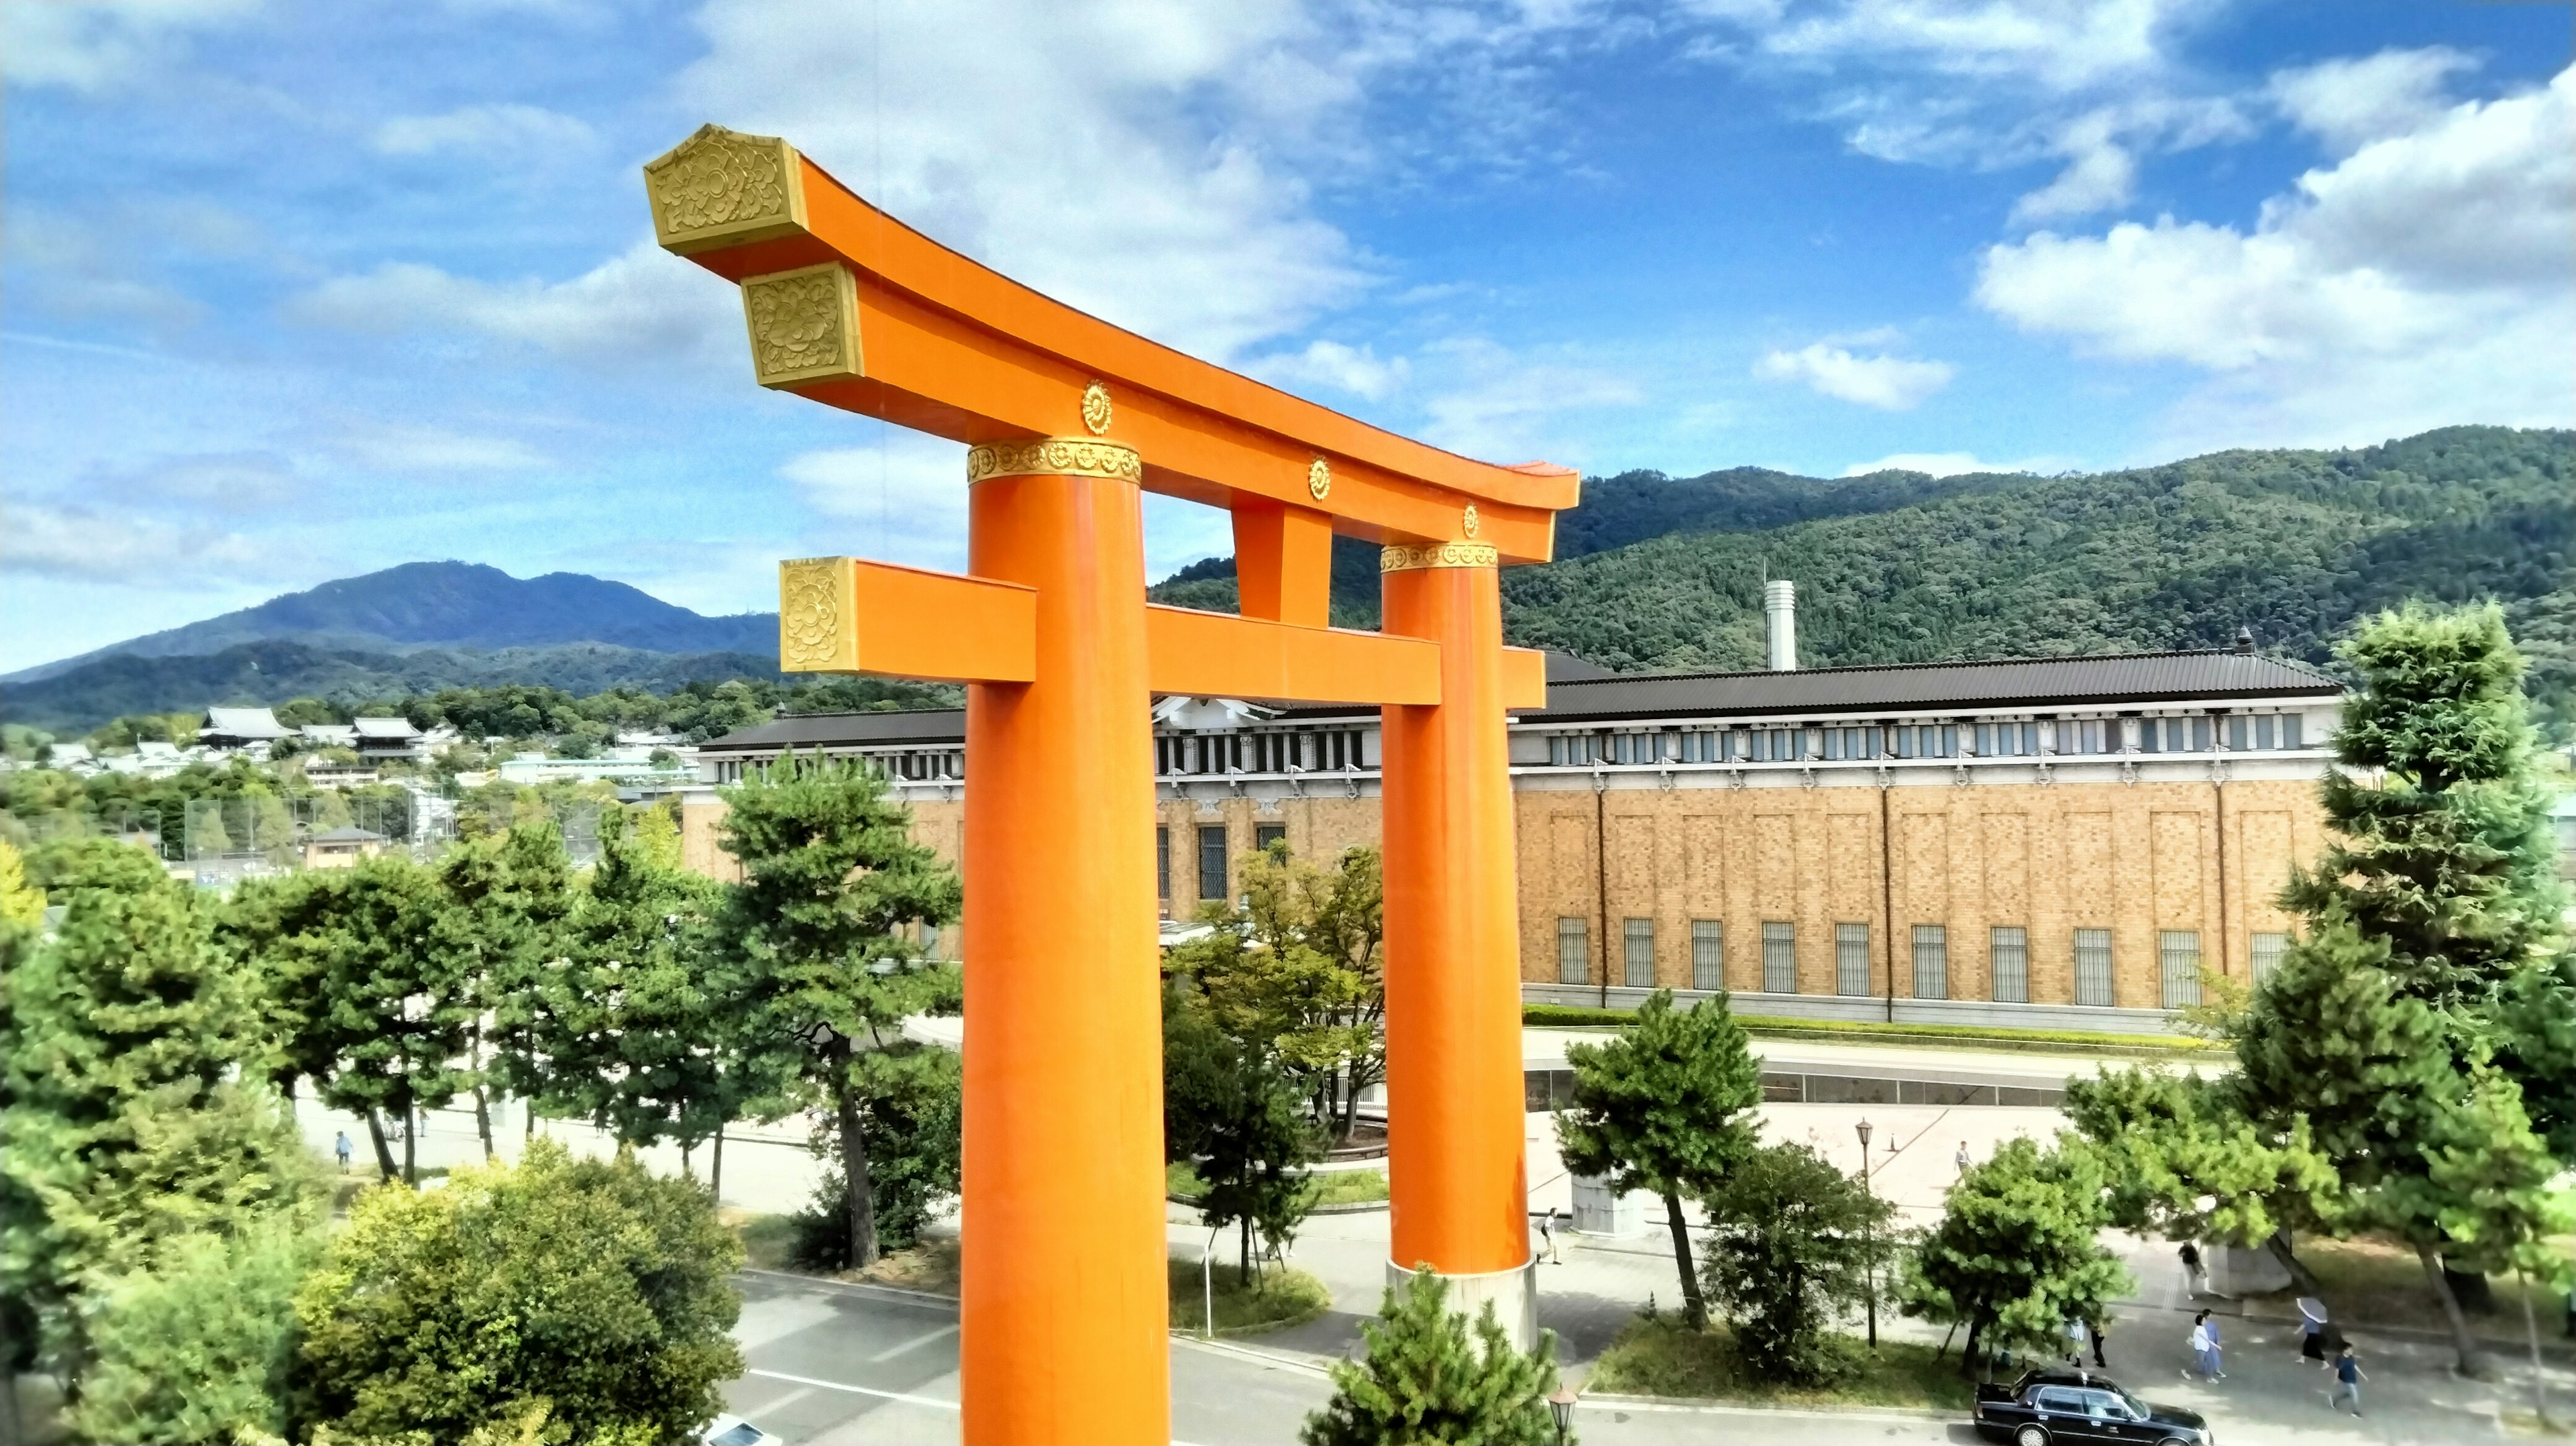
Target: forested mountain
[
  {"x": 2294, "y": 544},
  {"x": 450, "y": 605},
  {"x": 272, "y": 672},
  {"x": 1665, "y": 573}
]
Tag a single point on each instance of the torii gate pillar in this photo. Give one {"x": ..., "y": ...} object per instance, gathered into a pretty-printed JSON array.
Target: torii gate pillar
[{"x": 1457, "y": 1164}]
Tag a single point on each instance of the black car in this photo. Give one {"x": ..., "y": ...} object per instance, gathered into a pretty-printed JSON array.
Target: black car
[{"x": 2046, "y": 1407}]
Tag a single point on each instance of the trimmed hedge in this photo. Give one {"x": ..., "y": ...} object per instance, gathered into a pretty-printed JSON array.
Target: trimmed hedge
[{"x": 1581, "y": 1016}]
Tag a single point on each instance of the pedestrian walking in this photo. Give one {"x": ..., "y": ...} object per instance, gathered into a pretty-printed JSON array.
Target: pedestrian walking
[
  {"x": 2078, "y": 1335},
  {"x": 2217, "y": 1347},
  {"x": 2312, "y": 1324},
  {"x": 1961, "y": 1159},
  {"x": 2195, "y": 1278},
  {"x": 1547, "y": 1235},
  {"x": 340, "y": 1147},
  {"x": 2095, "y": 1326},
  {"x": 2200, "y": 1365},
  {"x": 2348, "y": 1379}
]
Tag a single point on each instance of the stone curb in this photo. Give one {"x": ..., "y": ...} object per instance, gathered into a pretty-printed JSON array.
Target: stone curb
[{"x": 1719, "y": 1404}]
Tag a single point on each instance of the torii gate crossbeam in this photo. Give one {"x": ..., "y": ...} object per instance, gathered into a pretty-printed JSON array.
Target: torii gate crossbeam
[{"x": 1064, "y": 1312}]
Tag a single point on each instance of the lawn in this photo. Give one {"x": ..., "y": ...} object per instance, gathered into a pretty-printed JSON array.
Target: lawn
[
  {"x": 765, "y": 1239},
  {"x": 1332, "y": 1187},
  {"x": 769, "y": 1240},
  {"x": 1278, "y": 1296},
  {"x": 1659, "y": 1356}
]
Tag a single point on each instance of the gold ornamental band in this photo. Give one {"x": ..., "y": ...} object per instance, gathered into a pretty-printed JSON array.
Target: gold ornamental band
[
  {"x": 1055, "y": 457},
  {"x": 1438, "y": 554}
]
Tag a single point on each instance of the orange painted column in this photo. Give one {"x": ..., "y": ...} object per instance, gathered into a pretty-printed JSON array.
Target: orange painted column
[
  {"x": 1457, "y": 1169},
  {"x": 1063, "y": 1313}
]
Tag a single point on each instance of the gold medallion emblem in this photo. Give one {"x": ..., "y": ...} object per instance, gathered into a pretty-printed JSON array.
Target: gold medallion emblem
[
  {"x": 1095, "y": 408},
  {"x": 1319, "y": 478},
  {"x": 1469, "y": 521}
]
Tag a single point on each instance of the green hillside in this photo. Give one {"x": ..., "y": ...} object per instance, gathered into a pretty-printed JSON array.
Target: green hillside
[{"x": 2294, "y": 544}]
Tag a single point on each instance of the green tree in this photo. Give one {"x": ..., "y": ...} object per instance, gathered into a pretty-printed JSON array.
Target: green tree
[
  {"x": 1793, "y": 1243},
  {"x": 128, "y": 1125},
  {"x": 200, "y": 1350},
  {"x": 2432, "y": 918},
  {"x": 1240, "y": 1119},
  {"x": 910, "y": 1107},
  {"x": 589, "y": 1286},
  {"x": 2185, "y": 1162},
  {"x": 1664, "y": 1107},
  {"x": 497, "y": 936},
  {"x": 1425, "y": 1380},
  {"x": 833, "y": 889},
  {"x": 2016, "y": 1253},
  {"x": 398, "y": 1009},
  {"x": 277, "y": 932},
  {"x": 2439, "y": 841}
]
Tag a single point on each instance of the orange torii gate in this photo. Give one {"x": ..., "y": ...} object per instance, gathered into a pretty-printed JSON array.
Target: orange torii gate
[{"x": 1064, "y": 1314}]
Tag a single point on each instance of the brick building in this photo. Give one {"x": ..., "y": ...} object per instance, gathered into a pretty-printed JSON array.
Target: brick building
[{"x": 2054, "y": 842}]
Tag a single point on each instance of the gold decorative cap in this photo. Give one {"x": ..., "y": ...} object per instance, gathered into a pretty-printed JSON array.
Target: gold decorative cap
[
  {"x": 1438, "y": 554},
  {"x": 723, "y": 188},
  {"x": 1055, "y": 457},
  {"x": 804, "y": 324},
  {"x": 817, "y": 601}
]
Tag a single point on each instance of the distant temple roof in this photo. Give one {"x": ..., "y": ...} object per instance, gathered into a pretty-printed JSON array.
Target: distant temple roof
[
  {"x": 384, "y": 728},
  {"x": 248, "y": 724}
]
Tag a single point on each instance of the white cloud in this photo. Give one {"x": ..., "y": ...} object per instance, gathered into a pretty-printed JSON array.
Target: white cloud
[
  {"x": 902, "y": 500},
  {"x": 1089, "y": 152},
  {"x": 2062, "y": 45},
  {"x": 2099, "y": 174},
  {"x": 1356, "y": 370},
  {"x": 2350, "y": 102},
  {"x": 2421, "y": 280},
  {"x": 1500, "y": 406},
  {"x": 484, "y": 131},
  {"x": 1890, "y": 383},
  {"x": 1950, "y": 464},
  {"x": 93, "y": 46},
  {"x": 638, "y": 306},
  {"x": 210, "y": 482},
  {"x": 408, "y": 447},
  {"x": 77, "y": 269},
  {"x": 122, "y": 545}
]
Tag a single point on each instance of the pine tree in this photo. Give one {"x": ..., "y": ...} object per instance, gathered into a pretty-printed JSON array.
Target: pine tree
[
  {"x": 1665, "y": 1107},
  {"x": 127, "y": 1126},
  {"x": 1230, "y": 1110},
  {"x": 397, "y": 1008},
  {"x": 832, "y": 890},
  {"x": 1793, "y": 1243},
  {"x": 497, "y": 935},
  {"x": 2017, "y": 1252},
  {"x": 2432, "y": 918},
  {"x": 1426, "y": 1381},
  {"x": 2185, "y": 1162}
]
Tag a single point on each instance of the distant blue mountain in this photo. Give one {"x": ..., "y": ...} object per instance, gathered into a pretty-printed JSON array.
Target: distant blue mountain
[{"x": 449, "y": 606}]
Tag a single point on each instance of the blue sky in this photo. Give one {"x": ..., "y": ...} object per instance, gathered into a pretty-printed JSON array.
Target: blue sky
[{"x": 299, "y": 290}]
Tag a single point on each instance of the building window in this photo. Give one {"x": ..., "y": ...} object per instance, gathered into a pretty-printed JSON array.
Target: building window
[
  {"x": 2267, "y": 951},
  {"x": 2289, "y": 730},
  {"x": 1573, "y": 949},
  {"x": 2179, "y": 949},
  {"x": 2008, "y": 963},
  {"x": 1266, "y": 834},
  {"x": 2200, "y": 735},
  {"x": 1931, "y": 961},
  {"x": 1637, "y": 943},
  {"x": 2093, "y": 967},
  {"x": 1573, "y": 750},
  {"x": 1779, "y": 957},
  {"x": 1851, "y": 958},
  {"x": 1708, "y": 954},
  {"x": 1212, "y": 861},
  {"x": 1163, "y": 863}
]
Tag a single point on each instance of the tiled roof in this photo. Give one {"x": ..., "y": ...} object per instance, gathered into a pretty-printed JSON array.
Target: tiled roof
[
  {"x": 2101, "y": 681},
  {"x": 244, "y": 723},
  {"x": 384, "y": 727}
]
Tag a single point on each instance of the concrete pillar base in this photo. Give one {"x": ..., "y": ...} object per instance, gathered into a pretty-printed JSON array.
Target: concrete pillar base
[{"x": 1513, "y": 1293}]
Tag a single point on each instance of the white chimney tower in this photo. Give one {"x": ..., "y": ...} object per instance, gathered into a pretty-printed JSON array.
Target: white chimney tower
[{"x": 1780, "y": 605}]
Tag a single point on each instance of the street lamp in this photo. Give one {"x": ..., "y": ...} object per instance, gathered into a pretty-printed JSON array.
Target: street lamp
[
  {"x": 1869, "y": 1257},
  {"x": 1561, "y": 1406}
]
